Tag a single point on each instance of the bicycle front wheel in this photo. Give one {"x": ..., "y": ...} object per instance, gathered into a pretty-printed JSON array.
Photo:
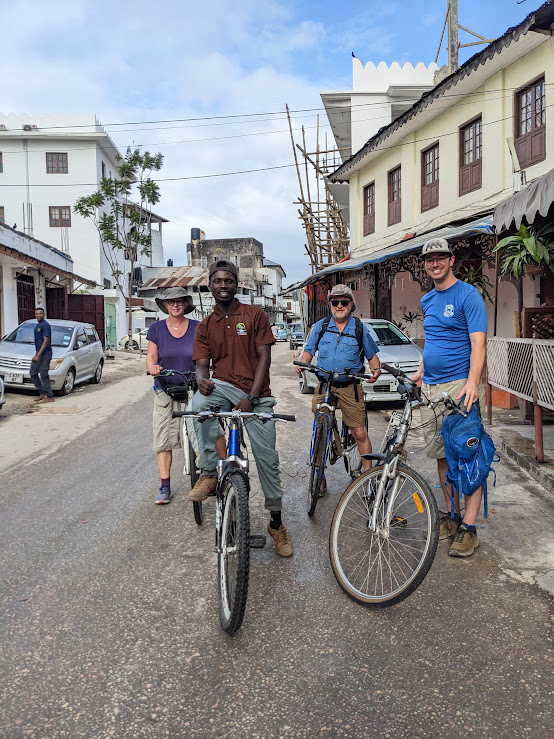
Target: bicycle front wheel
[
  {"x": 317, "y": 469},
  {"x": 234, "y": 554},
  {"x": 383, "y": 567},
  {"x": 193, "y": 476}
]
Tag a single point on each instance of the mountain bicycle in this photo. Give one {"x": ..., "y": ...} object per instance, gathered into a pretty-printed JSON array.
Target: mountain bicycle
[
  {"x": 232, "y": 517},
  {"x": 181, "y": 392},
  {"x": 385, "y": 529},
  {"x": 327, "y": 443}
]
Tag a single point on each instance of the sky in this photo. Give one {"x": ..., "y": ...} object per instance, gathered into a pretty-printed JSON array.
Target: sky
[{"x": 213, "y": 79}]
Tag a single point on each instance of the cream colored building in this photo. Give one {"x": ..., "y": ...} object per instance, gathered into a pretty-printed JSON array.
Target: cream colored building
[{"x": 443, "y": 165}]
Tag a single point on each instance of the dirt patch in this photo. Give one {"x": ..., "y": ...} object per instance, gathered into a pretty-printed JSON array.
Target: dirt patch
[{"x": 124, "y": 364}]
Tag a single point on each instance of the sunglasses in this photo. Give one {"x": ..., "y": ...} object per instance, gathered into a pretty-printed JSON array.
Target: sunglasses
[
  {"x": 336, "y": 303},
  {"x": 175, "y": 302}
]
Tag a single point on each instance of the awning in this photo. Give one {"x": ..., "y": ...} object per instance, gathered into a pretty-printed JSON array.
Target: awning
[
  {"x": 450, "y": 233},
  {"x": 535, "y": 198}
]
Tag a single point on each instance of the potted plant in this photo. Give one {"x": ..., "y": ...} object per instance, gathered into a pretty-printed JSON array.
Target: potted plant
[
  {"x": 529, "y": 251},
  {"x": 474, "y": 276}
]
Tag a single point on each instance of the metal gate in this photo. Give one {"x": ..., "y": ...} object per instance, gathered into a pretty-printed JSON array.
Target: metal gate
[{"x": 89, "y": 309}]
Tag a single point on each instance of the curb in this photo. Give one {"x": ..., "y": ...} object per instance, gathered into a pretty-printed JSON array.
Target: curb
[{"x": 543, "y": 473}]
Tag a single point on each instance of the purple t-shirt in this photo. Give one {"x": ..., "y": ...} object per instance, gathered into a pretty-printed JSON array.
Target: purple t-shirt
[{"x": 173, "y": 353}]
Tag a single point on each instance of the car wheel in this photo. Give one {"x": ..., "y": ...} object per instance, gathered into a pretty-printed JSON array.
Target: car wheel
[
  {"x": 68, "y": 383},
  {"x": 95, "y": 379},
  {"x": 134, "y": 345},
  {"x": 291, "y": 345},
  {"x": 305, "y": 389}
]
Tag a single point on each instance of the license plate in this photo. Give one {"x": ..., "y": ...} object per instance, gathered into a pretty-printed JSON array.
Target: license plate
[
  {"x": 393, "y": 386},
  {"x": 13, "y": 377}
]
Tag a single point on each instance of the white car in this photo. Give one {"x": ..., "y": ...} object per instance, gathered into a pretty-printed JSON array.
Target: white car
[
  {"x": 77, "y": 355},
  {"x": 138, "y": 340},
  {"x": 395, "y": 348}
]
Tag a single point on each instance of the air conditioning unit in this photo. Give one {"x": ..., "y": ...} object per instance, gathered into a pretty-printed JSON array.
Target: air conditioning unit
[
  {"x": 29, "y": 127},
  {"x": 2, "y": 126}
]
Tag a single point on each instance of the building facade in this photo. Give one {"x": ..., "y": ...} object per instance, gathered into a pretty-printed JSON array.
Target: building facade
[{"x": 48, "y": 162}]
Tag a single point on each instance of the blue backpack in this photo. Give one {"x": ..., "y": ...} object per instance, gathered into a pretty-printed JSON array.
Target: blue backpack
[{"x": 469, "y": 451}]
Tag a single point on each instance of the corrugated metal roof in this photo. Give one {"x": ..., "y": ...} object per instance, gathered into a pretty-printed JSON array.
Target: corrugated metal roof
[{"x": 160, "y": 278}]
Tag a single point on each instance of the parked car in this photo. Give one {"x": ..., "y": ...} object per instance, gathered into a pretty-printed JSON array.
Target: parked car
[
  {"x": 2, "y": 401},
  {"x": 395, "y": 348},
  {"x": 138, "y": 340},
  {"x": 77, "y": 355},
  {"x": 279, "y": 331},
  {"x": 295, "y": 335}
]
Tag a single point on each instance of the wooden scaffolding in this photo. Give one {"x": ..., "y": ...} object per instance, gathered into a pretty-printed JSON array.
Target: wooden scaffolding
[{"x": 321, "y": 215}]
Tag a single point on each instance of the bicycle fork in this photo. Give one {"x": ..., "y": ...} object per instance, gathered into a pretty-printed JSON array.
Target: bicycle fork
[{"x": 388, "y": 475}]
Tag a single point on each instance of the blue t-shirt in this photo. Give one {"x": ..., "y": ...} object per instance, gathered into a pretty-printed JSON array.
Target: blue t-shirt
[
  {"x": 173, "y": 353},
  {"x": 449, "y": 316},
  {"x": 42, "y": 331},
  {"x": 336, "y": 351}
]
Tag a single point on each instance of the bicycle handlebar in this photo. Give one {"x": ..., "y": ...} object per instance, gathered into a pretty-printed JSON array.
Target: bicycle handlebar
[
  {"x": 205, "y": 415},
  {"x": 331, "y": 373}
]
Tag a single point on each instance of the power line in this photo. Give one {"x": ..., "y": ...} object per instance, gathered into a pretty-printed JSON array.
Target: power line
[
  {"x": 260, "y": 169},
  {"x": 256, "y": 116}
]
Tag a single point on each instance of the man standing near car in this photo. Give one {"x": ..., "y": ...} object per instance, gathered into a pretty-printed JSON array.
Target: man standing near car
[
  {"x": 455, "y": 325},
  {"x": 237, "y": 338},
  {"x": 338, "y": 349},
  {"x": 40, "y": 364}
]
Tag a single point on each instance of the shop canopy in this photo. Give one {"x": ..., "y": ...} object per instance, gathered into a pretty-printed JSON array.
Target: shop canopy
[
  {"x": 450, "y": 233},
  {"x": 535, "y": 198}
]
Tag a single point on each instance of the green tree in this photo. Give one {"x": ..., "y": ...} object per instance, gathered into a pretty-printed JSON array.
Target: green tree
[{"x": 123, "y": 223}]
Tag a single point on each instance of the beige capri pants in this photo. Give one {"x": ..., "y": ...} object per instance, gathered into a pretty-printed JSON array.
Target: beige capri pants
[{"x": 167, "y": 430}]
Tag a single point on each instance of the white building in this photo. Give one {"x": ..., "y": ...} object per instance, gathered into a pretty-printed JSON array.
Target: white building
[
  {"x": 379, "y": 95},
  {"x": 46, "y": 164},
  {"x": 271, "y": 301}
]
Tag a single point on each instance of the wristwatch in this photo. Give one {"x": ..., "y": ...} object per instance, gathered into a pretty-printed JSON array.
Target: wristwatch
[{"x": 254, "y": 399}]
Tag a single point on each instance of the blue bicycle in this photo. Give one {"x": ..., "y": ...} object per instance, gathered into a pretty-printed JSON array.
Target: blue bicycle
[{"x": 232, "y": 516}]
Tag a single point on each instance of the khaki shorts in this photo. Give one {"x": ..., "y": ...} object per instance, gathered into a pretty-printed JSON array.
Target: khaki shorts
[
  {"x": 353, "y": 411},
  {"x": 432, "y": 428},
  {"x": 167, "y": 430}
]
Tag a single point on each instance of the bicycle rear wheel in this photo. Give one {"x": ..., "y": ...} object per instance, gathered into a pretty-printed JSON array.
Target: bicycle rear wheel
[
  {"x": 384, "y": 567},
  {"x": 233, "y": 561},
  {"x": 317, "y": 469}
]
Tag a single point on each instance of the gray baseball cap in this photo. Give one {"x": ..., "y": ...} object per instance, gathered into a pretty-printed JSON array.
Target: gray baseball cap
[{"x": 436, "y": 246}]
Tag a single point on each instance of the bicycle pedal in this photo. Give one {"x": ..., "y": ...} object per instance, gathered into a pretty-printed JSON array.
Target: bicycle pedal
[{"x": 257, "y": 541}]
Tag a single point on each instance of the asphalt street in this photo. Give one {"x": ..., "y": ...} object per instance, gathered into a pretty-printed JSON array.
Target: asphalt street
[{"x": 109, "y": 618}]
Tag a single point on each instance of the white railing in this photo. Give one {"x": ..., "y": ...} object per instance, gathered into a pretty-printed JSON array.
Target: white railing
[{"x": 523, "y": 367}]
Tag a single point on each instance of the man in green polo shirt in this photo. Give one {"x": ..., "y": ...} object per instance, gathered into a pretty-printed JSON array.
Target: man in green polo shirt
[{"x": 237, "y": 338}]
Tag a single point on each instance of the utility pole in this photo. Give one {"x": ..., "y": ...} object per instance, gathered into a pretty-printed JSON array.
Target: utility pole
[{"x": 453, "y": 36}]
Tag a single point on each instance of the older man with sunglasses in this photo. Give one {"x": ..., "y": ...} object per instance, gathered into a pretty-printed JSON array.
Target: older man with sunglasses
[{"x": 339, "y": 349}]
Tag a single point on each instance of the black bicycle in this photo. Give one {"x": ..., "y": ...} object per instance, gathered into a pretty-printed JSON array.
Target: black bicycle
[
  {"x": 232, "y": 518},
  {"x": 328, "y": 444}
]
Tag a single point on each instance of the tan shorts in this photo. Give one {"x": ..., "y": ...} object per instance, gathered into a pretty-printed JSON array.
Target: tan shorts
[
  {"x": 353, "y": 411},
  {"x": 167, "y": 434},
  {"x": 432, "y": 428},
  {"x": 167, "y": 430}
]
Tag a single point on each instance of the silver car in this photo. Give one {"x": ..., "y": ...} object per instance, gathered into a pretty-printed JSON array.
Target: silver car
[
  {"x": 394, "y": 348},
  {"x": 77, "y": 355}
]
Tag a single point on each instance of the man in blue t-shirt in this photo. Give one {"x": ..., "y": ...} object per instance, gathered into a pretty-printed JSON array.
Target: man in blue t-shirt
[
  {"x": 40, "y": 363},
  {"x": 455, "y": 325},
  {"x": 338, "y": 349}
]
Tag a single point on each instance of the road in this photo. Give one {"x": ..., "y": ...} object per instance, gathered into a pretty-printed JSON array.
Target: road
[{"x": 109, "y": 621}]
